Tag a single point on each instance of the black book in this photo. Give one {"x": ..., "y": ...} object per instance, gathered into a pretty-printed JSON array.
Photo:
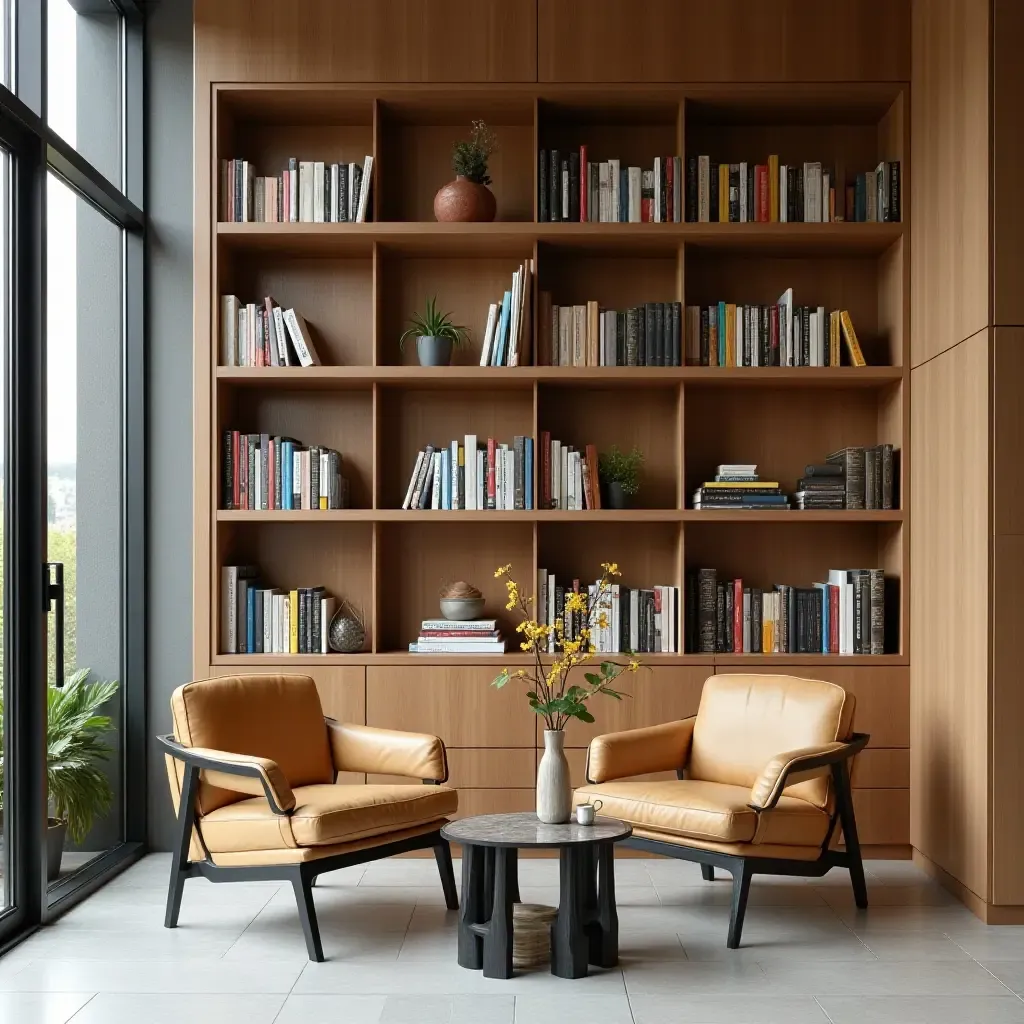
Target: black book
[
  {"x": 239, "y": 186},
  {"x": 765, "y": 336},
  {"x": 228, "y": 481},
  {"x": 707, "y": 611},
  {"x": 620, "y": 338},
  {"x": 660, "y": 345},
  {"x": 574, "y": 185},
  {"x": 713, "y": 194},
  {"x": 327, "y": 193},
  {"x": 642, "y": 337},
  {"x": 852, "y": 461},
  {"x": 357, "y": 185},
  {"x": 888, "y": 476},
  {"x": 257, "y": 624},
  {"x": 554, "y": 176},
  {"x": 894, "y": 191},
  {"x": 728, "y": 638},
  {"x": 301, "y": 630},
  {"x": 720, "y": 617},
  {"x": 800, "y": 194},
  {"x": 343, "y": 201},
  {"x": 876, "y": 635},
  {"x": 793, "y": 633},
  {"x": 756, "y": 628},
  {"x": 543, "y": 214},
  {"x": 825, "y": 469},
  {"x": 734, "y": 193},
  {"x": 633, "y": 336},
  {"x": 705, "y": 337},
  {"x": 791, "y": 176},
  {"x": 750, "y": 192},
  {"x": 519, "y": 490},
  {"x": 805, "y": 334},
  {"x": 649, "y": 335},
  {"x": 677, "y": 334},
  {"x": 871, "y": 484},
  {"x": 691, "y": 190}
]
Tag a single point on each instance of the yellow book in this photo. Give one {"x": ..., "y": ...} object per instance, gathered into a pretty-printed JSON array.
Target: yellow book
[
  {"x": 740, "y": 483},
  {"x": 773, "y": 188},
  {"x": 834, "y": 357},
  {"x": 852, "y": 344},
  {"x": 323, "y": 503},
  {"x": 766, "y": 636},
  {"x": 723, "y": 193},
  {"x": 730, "y": 334},
  {"x": 293, "y": 621}
]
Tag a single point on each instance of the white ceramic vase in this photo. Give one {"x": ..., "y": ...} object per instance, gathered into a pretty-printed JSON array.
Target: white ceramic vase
[{"x": 554, "y": 793}]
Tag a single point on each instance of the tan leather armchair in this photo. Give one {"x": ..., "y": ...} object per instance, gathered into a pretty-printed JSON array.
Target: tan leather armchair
[
  {"x": 763, "y": 780},
  {"x": 253, "y": 765}
]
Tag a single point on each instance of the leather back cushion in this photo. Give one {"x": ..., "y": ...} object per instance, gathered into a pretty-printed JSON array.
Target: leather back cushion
[
  {"x": 275, "y": 716},
  {"x": 746, "y": 720}
]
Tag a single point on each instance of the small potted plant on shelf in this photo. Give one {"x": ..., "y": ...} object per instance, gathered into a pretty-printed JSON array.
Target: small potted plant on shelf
[
  {"x": 435, "y": 335},
  {"x": 620, "y": 474},
  {"x": 77, "y": 788},
  {"x": 468, "y": 198},
  {"x": 548, "y": 689}
]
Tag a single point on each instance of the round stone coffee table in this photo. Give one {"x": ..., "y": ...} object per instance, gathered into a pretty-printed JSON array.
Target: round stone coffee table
[{"x": 586, "y": 929}]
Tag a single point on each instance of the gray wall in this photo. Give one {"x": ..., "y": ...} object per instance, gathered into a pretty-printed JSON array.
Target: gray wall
[{"x": 169, "y": 511}]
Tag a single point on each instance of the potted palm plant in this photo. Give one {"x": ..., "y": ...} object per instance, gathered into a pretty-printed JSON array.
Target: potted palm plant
[
  {"x": 77, "y": 788},
  {"x": 435, "y": 335}
]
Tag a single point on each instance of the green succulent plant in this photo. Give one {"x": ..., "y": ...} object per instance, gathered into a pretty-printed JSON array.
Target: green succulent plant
[
  {"x": 469, "y": 157},
  {"x": 621, "y": 468},
  {"x": 432, "y": 324}
]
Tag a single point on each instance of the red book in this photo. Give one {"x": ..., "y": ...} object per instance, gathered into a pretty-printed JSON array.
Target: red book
[
  {"x": 737, "y": 616},
  {"x": 773, "y": 355},
  {"x": 545, "y": 469},
  {"x": 236, "y": 455},
  {"x": 669, "y": 181},
  {"x": 492, "y": 492},
  {"x": 833, "y": 619},
  {"x": 595, "y": 487},
  {"x": 584, "y": 186},
  {"x": 763, "y": 194}
]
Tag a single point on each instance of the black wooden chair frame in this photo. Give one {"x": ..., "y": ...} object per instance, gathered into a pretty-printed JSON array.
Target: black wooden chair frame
[
  {"x": 302, "y": 875},
  {"x": 743, "y": 868}
]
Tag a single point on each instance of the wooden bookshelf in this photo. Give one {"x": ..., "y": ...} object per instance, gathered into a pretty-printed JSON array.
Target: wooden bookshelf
[{"x": 356, "y": 284}]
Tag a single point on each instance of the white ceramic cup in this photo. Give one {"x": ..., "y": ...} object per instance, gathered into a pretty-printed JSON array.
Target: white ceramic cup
[{"x": 585, "y": 813}]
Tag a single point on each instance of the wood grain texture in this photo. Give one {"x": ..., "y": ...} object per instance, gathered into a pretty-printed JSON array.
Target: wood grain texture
[
  {"x": 1007, "y": 162},
  {"x": 1007, "y": 431},
  {"x": 950, "y": 609},
  {"x": 727, "y": 41},
  {"x": 352, "y": 41},
  {"x": 494, "y": 801},
  {"x": 883, "y": 815},
  {"x": 950, "y": 156}
]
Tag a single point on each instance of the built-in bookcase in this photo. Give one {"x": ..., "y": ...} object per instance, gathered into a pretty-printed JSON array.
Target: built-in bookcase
[{"x": 357, "y": 283}]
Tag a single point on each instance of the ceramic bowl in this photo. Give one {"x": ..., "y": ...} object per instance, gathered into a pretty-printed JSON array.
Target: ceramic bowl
[{"x": 461, "y": 608}]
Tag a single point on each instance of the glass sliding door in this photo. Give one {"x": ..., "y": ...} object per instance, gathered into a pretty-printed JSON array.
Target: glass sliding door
[{"x": 6, "y": 783}]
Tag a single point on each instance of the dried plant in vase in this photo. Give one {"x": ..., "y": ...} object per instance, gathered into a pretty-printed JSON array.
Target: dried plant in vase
[
  {"x": 548, "y": 689},
  {"x": 461, "y": 601},
  {"x": 468, "y": 198}
]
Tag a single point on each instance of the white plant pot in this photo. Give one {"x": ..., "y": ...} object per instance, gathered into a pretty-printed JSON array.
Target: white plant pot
[{"x": 554, "y": 792}]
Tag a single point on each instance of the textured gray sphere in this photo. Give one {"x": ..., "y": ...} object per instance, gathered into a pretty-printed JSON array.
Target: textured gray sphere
[{"x": 346, "y": 635}]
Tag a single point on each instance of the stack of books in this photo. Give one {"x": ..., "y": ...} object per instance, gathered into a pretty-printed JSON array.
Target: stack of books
[
  {"x": 737, "y": 485},
  {"x": 309, "y": 191},
  {"x": 823, "y": 486},
  {"x": 509, "y": 329},
  {"x": 266, "y": 472},
  {"x": 451, "y": 636},
  {"x": 772, "y": 192},
  {"x": 725, "y": 334},
  {"x": 843, "y": 615},
  {"x": 589, "y": 335},
  {"x": 868, "y": 476},
  {"x": 636, "y": 621},
  {"x": 568, "y": 476},
  {"x": 257, "y": 619},
  {"x": 473, "y": 476},
  {"x": 263, "y": 334}
]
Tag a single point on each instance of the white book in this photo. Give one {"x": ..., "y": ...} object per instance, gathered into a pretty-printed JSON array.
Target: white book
[
  {"x": 281, "y": 334},
  {"x": 563, "y": 479},
  {"x": 577, "y": 478},
  {"x": 318, "y": 192},
  {"x": 228, "y": 609},
  {"x": 470, "y": 472},
  {"x": 657, "y": 215},
  {"x": 499, "y": 478},
  {"x": 838, "y": 578},
  {"x": 364, "y": 190},
  {"x": 813, "y": 347},
  {"x": 634, "y": 619},
  {"x": 328, "y": 606},
  {"x": 267, "y": 597},
  {"x": 565, "y": 191},
  {"x": 492, "y": 319},
  {"x": 412, "y": 480},
  {"x": 305, "y": 191},
  {"x": 301, "y": 340},
  {"x": 635, "y": 194},
  {"x": 556, "y": 474},
  {"x": 242, "y": 336},
  {"x": 552, "y": 611},
  {"x": 744, "y": 212},
  {"x": 445, "y": 646},
  {"x": 286, "y": 625},
  {"x": 740, "y": 361},
  {"x": 454, "y": 460},
  {"x": 511, "y": 356},
  {"x": 783, "y": 193},
  {"x": 603, "y": 186},
  {"x": 435, "y": 492},
  {"x": 229, "y": 306},
  {"x": 273, "y": 346},
  {"x": 510, "y": 479},
  {"x": 785, "y": 305},
  {"x": 257, "y": 483},
  {"x": 613, "y": 190},
  {"x": 542, "y": 596}
]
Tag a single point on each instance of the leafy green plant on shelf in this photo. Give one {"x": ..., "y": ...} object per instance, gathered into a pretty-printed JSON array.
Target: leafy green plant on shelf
[
  {"x": 620, "y": 473},
  {"x": 435, "y": 335},
  {"x": 470, "y": 156}
]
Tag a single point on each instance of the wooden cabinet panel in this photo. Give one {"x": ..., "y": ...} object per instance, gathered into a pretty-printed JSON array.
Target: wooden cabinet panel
[
  {"x": 494, "y": 801},
  {"x": 724, "y": 41},
  {"x": 500, "y": 768},
  {"x": 882, "y": 695},
  {"x": 656, "y": 695},
  {"x": 882, "y": 768},
  {"x": 455, "y": 702},
  {"x": 355, "y": 41},
  {"x": 883, "y": 816}
]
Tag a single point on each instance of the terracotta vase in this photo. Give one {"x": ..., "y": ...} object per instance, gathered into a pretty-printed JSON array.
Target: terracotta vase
[{"x": 463, "y": 200}]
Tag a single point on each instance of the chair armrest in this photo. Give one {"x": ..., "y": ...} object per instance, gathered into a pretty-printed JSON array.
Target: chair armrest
[
  {"x": 362, "y": 748},
  {"x": 657, "y": 748},
  {"x": 795, "y": 766},
  {"x": 241, "y": 773}
]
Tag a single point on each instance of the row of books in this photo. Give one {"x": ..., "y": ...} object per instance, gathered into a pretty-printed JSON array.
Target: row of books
[
  {"x": 265, "y": 472},
  {"x": 568, "y": 477},
  {"x": 263, "y": 334},
  {"x": 724, "y": 334},
  {"x": 860, "y": 477},
  {"x": 452, "y": 636},
  {"x": 737, "y": 485},
  {"x": 622, "y": 620},
  {"x": 259, "y": 619},
  {"x": 843, "y": 615},
  {"x": 509, "y": 329},
  {"x": 807, "y": 193},
  {"x": 309, "y": 191},
  {"x": 474, "y": 475},
  {"x": 573, "y": 188},
  {"x": 589, "y": 335}
]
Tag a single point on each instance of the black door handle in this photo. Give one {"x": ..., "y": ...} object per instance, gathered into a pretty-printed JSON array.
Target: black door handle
[{"x": 53, "y": 590}]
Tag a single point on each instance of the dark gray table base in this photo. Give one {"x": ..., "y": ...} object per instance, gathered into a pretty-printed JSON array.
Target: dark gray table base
[{"x": 585, "y": 932}]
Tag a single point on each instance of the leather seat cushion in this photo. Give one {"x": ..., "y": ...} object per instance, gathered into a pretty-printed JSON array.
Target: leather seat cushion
[
  {"x": 711, "y": 811},
  {"x": 324, "y": 815}
]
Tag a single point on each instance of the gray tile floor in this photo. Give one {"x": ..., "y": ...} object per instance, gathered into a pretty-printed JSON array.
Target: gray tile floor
[{"x": 915, "y": 957}]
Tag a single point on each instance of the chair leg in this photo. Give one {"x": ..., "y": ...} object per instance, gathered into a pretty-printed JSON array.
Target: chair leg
[
  {"x": 740, "y": 891},
  {"x": 307, "y": 916},
  {"x": 179, "y": 861},
  {"x": 443, "y": 856},
  {"x": 707, "y": 872},
  {"x": 844, "y": 800}
]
